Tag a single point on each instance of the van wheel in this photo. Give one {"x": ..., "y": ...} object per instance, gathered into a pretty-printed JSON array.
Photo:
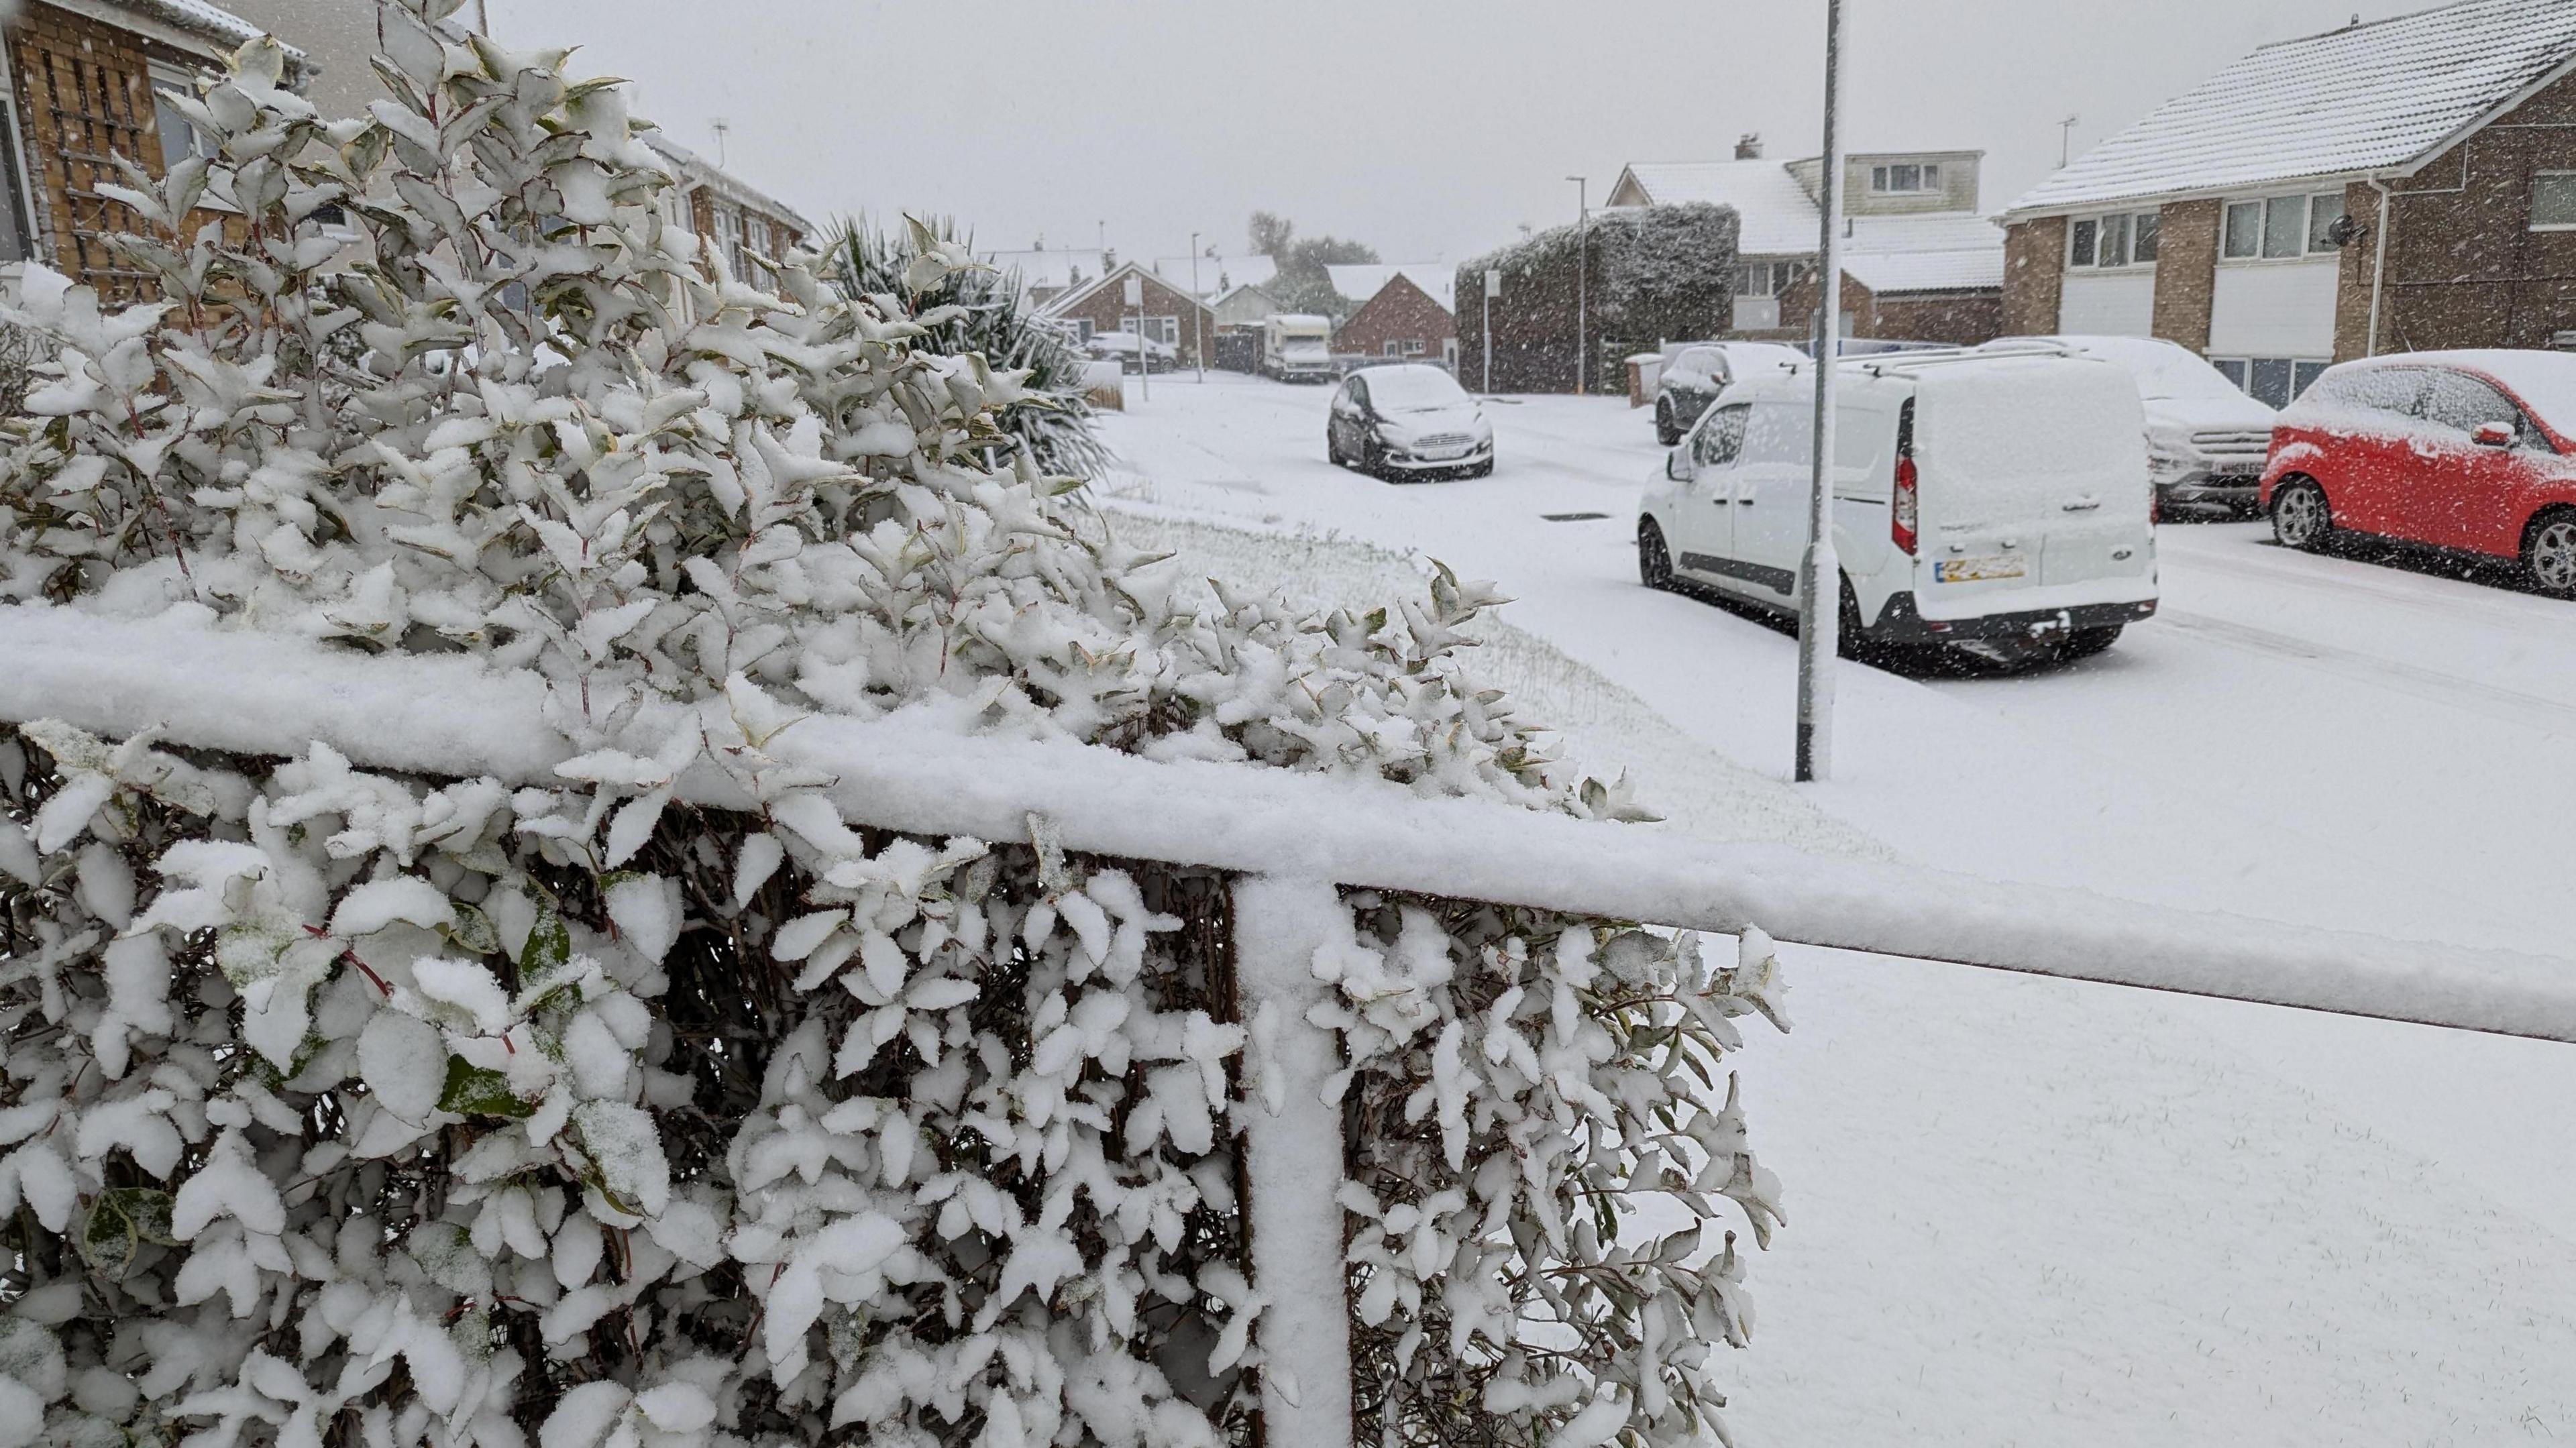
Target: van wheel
[
  {"x": 2549, "y": 553},
  {"x": 1665, "y": 432},
  {"x": 2300, "y": 518},
  {"x": 1654, "y": 560}
]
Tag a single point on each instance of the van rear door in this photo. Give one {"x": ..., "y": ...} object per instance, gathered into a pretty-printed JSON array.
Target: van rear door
[{"x": 2034, "y": 474}]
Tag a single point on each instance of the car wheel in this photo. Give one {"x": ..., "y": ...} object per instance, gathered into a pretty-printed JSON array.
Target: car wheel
[
  {"x": 1484, "y": 469},
  {"x": 2084, "y": 643},
  {"x": 2549, "y": 553},
  {"x": 1373, "y": 463},
  {"x": 1333, "y": 450},
  {"x": 1665, "y": 432},
  {"x": 1654, "y": 560},
  {"x": 2300, "y": 518}
]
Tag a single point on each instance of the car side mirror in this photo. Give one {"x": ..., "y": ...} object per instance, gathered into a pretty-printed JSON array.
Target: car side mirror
[
  {"x": 1677, "y": 465},
  {"x": 2495, "y": 434}
]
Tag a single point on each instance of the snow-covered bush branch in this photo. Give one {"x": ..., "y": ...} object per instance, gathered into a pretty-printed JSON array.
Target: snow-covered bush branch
[{"x": 354, "y": 1107}]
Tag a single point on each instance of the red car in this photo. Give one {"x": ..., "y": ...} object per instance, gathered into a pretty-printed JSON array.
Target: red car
[{"x": 2472, "y": 451}]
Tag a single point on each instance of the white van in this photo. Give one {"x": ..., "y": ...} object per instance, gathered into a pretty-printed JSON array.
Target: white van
[{"x": 1999, "y": 500}]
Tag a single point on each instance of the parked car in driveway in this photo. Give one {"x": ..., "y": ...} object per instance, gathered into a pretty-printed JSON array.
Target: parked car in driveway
[
  {"x": 2474, "y": 452},
  {"x": 1697, "y": 373},
  {"x": 1131, "y": 352},
  {"x": 1409, "y": 421},
  {"x": 2207, "y": 440},
  {"x": 1998, "y": 501}
]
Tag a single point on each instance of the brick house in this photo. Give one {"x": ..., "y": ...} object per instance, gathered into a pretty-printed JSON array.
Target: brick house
[
  {"x": 722, "y": 208},
  {"x": 1405, "y": 312},
  {"x": 85, "y": 83},
  {"x": 1100, "y": 305},
  {"x": 2245, "y": 219},
  {"x": 1919, "y": 261}
]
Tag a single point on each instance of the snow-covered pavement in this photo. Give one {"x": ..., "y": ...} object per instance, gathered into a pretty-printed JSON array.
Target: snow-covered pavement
[{"x": 2025, "y": 1211}]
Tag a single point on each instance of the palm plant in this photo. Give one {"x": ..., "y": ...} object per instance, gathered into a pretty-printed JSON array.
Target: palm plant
[{"x": 980, "y": 309}]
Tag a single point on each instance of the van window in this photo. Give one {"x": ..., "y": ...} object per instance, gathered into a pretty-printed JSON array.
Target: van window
[
  {"x": 1723, "y": 436},
  {"x": 1781, "y": 432}
]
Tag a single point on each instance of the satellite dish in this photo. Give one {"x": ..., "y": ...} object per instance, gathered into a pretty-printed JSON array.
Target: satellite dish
[{"x": 2343, "y": 231}]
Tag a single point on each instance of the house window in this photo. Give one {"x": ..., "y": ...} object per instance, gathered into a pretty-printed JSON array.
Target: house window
[
  {"x": 179, "y": 139},
  {"x": 1394, "y": 348},
  {"x": 1082, "y": 329},
  {"x": 2280, "y": 228},
  {"x": 1762, "y": 278},
  {"x": 2123, "y": 239},
  {"x": 2553, "y": 201},
  {"x": 1415, "y": 348},
  {"x": 2275, "y": 380},
  {"x": 14, "y": 228},
  {"x": 1166, "y": 330},
  {"x": 1905, "y": 178}
]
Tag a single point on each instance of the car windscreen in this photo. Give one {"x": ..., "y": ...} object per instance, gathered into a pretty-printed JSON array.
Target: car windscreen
[{"x": 1412, "y": 389}]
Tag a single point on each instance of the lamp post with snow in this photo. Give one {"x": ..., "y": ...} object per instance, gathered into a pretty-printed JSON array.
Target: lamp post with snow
[
  {"x": 1820, "y": 572},
  {"x": 1582, "y": 265},
  {"x": 1198, "y": 311}
]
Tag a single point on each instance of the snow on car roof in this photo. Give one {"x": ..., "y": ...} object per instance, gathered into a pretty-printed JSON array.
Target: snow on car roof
[
  {"x": 2545, "y": 381},
  {"x": 2366, "y": 97}
]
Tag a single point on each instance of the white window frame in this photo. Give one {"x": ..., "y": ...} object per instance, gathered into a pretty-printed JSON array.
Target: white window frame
[
  {"x": 1393, "y": 348},
  {"x": 1416, "y": 347},
  {"x": 2549, "y": 175},
  {"x": 21, "y": 192},
  {"x": 2100, "y": 222},
  {"x": 1927, "y": 178},
  {"x": 2309, "y": 248},
  {"x": 1166, "y": 330},
  {"x": 1762, "y": 278}
]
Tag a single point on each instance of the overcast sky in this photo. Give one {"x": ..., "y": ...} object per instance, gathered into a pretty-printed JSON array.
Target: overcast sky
[{"x": 1429, "y": 129}]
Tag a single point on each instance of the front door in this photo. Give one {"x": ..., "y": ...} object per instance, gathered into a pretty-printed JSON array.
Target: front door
[{"x": 1705, "y": 517}]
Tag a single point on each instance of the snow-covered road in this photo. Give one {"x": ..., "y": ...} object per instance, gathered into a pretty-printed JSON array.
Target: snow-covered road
[{"x": 2318, "y": 740}]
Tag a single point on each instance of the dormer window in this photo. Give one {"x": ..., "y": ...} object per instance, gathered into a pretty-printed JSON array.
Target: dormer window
[{"x": 1905, "y": 178}]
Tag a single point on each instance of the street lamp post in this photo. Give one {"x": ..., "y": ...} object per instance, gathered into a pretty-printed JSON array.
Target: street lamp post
[
  {"x": 1582, "y": 266},
  {"x": 1198, "y": 311},
  {"x": 1820, "y": 573}
]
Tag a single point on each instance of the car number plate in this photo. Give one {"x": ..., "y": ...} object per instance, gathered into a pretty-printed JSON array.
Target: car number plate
[{"x": 1976, "y": 570}]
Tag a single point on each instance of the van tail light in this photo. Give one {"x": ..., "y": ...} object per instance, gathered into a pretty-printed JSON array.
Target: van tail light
[{"x": 1902, "y": 516}]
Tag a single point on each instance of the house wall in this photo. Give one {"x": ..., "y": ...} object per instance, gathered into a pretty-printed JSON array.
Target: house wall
[
  {"x": 1963, "y": 318},
  {"x": 84, "y": 94},
  {"x": 2273, "y": 309},
  {"x": 2114, "y": 304},
  {"x": 2186, "y": 271},
  {"x": 2034, "y": 276},
  {"x": 2465, "y": 269},
  {"x": 1403, "y": 314},
  {"x": 1958, "y": 191},
  {"x": 1107, "y": 311}
]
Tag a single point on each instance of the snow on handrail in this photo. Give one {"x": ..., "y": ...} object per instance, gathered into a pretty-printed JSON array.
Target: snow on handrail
[{"x": 267, "y": 695}]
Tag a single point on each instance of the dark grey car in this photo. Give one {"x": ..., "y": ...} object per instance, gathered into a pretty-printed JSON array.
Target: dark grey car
[{"x": 1697, "y": 373}]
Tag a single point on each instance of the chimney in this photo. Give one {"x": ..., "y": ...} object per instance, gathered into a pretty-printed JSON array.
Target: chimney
[{"x": 1748, "y": 147}]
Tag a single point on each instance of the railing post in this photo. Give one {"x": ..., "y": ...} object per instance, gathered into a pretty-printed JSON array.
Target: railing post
[{"x": 1293, "y": 1160}]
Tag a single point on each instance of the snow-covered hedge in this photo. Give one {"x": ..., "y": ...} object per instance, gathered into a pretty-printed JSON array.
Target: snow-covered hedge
[{"x": 352, "y": 1107}]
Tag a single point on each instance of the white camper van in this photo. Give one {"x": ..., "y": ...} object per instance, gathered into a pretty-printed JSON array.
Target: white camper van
[
  {"x": 1994, "y": 499},
  {"x": 1297, "y": 348}
]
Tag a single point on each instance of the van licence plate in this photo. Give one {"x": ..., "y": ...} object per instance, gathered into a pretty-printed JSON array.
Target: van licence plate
[{"x": 1974, "y": 570}]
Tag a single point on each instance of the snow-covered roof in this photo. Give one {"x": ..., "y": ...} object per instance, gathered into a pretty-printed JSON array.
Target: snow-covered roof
[
  {"x": 2364, "y": 98},
  {"x": 1057, "y": 305},
  {"x": 1926, "y": 271},
  {"x": 696, "y": 170},
  {"x": 1216, "y": 273},
  {"x": 1051, "y": 267},
  {"x": 1361, "y": 281},
  {"x": 1774, "y": 214},
  {"x": 225, "y": 31},
  {"x": 1238, "y": 289}
]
